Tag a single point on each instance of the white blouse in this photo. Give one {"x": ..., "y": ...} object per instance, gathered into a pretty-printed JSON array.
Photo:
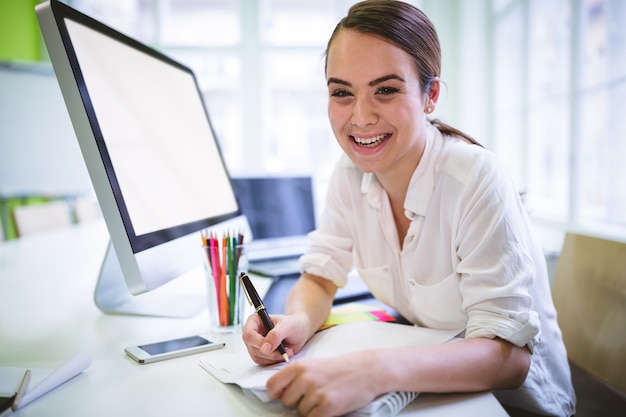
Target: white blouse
[{"x": 469, "y": 261}]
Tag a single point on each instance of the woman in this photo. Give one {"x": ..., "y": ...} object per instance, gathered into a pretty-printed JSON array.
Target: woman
[{"x": 435, "y": 228}]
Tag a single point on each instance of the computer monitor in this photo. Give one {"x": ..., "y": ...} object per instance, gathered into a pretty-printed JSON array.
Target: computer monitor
[{"x": 151, "y": 154}]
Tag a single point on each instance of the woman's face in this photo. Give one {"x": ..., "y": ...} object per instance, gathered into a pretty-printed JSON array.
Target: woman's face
[{"x": 376, "y": 105}]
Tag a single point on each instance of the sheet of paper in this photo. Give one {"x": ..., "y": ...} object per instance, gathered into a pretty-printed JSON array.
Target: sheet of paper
[
  {"x": 353, "y": 337},
  {"x": 238, "y": 368},
  {"x": 42, "y": 381},
  {"x": 62, "y": 374}
]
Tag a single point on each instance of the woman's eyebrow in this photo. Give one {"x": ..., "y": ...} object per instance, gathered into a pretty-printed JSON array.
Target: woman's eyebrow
[
  {"x": 377, "y": 81},
  {"x": 333, "y": 80},
  {"x": 385, "y": 78}
]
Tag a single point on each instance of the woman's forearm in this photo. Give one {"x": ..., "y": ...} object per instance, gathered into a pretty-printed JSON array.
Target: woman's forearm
[
  {"x": 312, "y": 296},
  {"x": 464, "y": 366}
]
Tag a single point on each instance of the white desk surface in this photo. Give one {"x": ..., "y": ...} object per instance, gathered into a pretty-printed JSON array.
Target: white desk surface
[{"x": 47, "y": 315}]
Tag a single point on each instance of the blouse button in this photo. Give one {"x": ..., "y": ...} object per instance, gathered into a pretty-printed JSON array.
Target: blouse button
[{"x": 412, "y": 283}]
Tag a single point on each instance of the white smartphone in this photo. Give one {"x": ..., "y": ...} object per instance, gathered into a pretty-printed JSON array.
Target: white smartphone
[{"x": 169, "y": 349}]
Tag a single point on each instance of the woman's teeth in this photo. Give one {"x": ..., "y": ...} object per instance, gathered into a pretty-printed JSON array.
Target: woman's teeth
[{"x": 369, "y": 142}]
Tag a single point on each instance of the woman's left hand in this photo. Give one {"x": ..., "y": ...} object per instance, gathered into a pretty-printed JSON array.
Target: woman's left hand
[{"x": 326, "y": 386}]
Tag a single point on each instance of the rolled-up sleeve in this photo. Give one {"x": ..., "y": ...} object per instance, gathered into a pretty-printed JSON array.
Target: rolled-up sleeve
[
  {"x": 519, "y": 332},
  {"x": 329, "y": 257}
]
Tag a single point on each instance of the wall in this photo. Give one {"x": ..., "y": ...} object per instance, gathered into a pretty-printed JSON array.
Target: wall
[
  {"x": 39, "y": 154},
  {"x": 19, "y": 32},
  {"x": 39, "y": 151}
]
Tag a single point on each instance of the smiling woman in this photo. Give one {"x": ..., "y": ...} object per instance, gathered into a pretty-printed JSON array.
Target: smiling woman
[{"x": 436, "y": 229}]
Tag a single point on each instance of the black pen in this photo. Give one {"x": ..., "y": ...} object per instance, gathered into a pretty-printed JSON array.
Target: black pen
[{"x": 257, "y": 303}]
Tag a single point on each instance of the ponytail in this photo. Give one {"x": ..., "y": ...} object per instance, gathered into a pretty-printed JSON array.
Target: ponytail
[{"x": 448, "y": 130}]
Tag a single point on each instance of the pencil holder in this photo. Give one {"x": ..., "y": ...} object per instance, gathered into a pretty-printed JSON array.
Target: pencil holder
[{"x": 223, "y": 262}]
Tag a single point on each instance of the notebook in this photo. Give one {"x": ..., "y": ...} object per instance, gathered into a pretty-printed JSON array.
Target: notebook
[
  {"x": 387, "y": 405},
  {"x": 237, "y": 368},
  {"x": 281, "y": 212}
]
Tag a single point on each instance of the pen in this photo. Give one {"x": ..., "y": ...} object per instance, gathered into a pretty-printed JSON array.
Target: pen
[
  {"x": 232, "y": 277},
  {"x": 21, "y": 390},
  {"x": 225, "y": 303},
  {"x": 257, "y": 303}
]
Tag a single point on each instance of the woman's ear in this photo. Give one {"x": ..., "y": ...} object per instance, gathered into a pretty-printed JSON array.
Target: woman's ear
[{"x": 432, "y": 95}]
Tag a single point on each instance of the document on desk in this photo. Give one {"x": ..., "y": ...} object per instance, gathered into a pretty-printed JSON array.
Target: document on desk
[
  {"x": 239, "y": 369},
  {"x": 43, "y": 381}
]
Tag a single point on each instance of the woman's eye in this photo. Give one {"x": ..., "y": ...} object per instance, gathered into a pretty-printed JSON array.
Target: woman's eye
[
  {"x": 340, "y": 93},
  {"x": 385, "y": 91}
]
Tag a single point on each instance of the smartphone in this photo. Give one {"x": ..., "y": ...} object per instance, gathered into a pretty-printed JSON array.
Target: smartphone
[{"x": 169, "y": 349}]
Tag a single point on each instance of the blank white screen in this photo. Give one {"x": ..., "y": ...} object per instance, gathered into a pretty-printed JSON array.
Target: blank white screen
[{"x": 156, "y": 131}]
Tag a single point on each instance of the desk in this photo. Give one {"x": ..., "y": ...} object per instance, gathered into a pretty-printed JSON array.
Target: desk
[{"x": 47, "y": 315}]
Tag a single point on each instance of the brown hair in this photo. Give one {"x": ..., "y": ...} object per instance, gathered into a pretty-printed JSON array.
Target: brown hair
[{"x": 408, "y": 28}]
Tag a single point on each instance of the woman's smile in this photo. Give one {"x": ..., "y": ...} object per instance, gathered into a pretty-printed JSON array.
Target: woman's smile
[{"x": 371, "y": 141}]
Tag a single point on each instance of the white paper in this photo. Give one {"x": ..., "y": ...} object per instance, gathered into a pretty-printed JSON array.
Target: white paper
[
  {"x": 239, "y": 369},
  {"x": 42, "y": 382}
]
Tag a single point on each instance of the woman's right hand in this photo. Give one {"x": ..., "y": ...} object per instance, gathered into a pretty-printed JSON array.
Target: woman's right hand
[
  {"x": 307, "y": 307},
  {"x": 290, "y": 330}
]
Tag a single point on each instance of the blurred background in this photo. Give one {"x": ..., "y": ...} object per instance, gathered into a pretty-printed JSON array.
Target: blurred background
[{"x": 542, "y": 83}]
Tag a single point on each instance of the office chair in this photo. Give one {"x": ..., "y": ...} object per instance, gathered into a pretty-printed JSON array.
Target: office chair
[{"x": 589, "y": 293}]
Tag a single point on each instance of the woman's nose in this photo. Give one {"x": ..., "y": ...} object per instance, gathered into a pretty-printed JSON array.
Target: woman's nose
[{"x": 363, "y": 113}]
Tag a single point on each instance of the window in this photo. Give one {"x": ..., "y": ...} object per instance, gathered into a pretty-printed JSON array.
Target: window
[
  {"x": 600, "y": 98},
  {"x": 560, "y": 82}
]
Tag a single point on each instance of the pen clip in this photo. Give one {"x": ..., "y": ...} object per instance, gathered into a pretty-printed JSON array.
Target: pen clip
[{"x": 245, "y": 290}]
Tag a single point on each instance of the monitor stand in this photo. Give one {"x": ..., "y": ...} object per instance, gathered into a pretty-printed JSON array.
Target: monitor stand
[{"x": 112, "y": 295}]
